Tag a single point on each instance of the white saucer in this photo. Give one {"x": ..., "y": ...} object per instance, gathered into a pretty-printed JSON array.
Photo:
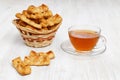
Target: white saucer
[{"x": 99, "y": 49}]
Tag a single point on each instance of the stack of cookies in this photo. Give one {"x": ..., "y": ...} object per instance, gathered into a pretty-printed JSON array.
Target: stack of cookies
[{"x": 37, "y": 25}]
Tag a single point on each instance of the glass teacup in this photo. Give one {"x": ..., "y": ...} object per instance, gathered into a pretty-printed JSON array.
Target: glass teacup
[{"x": 84, "y": 40}]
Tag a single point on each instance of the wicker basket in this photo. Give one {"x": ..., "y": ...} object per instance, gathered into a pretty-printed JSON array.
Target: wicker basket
[{"x": 36, "y": 38}]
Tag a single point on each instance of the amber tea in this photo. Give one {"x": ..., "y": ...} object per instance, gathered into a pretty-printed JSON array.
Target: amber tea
[{"x": 83, "y": 40}]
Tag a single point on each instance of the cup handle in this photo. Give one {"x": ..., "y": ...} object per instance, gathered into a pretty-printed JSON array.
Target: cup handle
[{"x": 102, "y": 40}]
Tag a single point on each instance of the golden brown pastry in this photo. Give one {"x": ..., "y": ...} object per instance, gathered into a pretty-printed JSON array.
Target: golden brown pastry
[
  {"x": 35, "y": 59},
  {"x": 21, "y": 67}
]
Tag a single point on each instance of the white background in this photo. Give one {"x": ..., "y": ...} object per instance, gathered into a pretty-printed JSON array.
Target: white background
[{"x": 103, "y": 13}]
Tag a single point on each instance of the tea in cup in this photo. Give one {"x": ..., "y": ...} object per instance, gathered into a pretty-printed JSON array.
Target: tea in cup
[{"x": 84, "y": 38}]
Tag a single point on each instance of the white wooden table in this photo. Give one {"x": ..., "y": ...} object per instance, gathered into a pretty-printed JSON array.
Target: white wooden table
[{"x": 104, "y": 13}]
